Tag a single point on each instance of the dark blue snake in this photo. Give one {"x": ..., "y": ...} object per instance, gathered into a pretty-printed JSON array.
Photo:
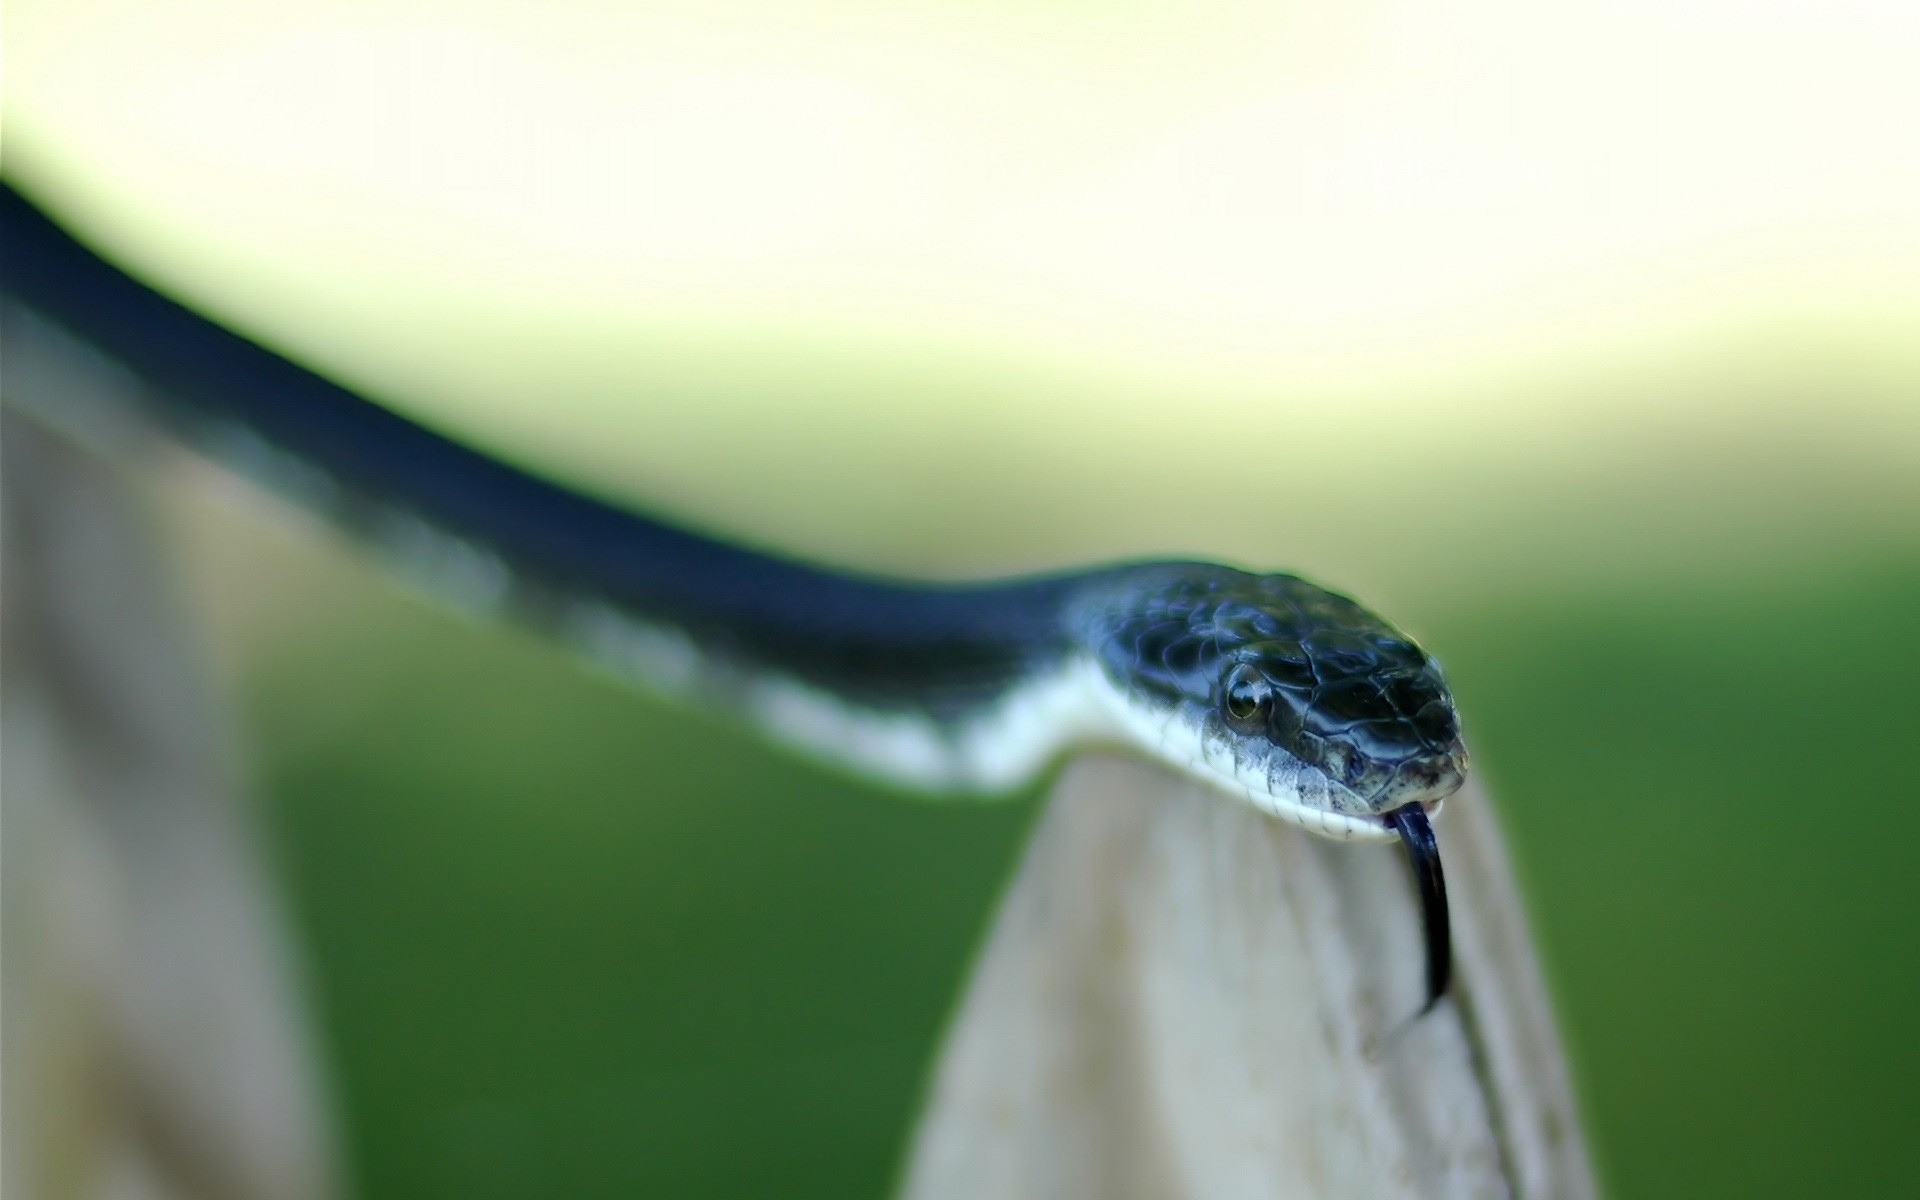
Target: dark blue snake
[{"x": 1285, "y": 695}]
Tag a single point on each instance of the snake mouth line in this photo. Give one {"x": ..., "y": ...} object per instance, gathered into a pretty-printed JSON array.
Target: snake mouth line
[{"x": 1423, "y": 855}]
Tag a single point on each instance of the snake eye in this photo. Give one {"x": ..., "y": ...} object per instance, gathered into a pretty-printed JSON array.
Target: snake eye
[{"x": 1247, "y": 696}]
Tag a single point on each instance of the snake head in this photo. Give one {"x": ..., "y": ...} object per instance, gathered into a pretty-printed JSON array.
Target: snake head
[
  {"x": 1341, "y": 690},
  {"x": 1311, "y": 707},
  {"x": 1319, "y": 710}
]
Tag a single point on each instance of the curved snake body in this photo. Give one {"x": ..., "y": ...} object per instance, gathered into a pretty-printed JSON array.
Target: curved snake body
[{"x": 1283, "y": 694}]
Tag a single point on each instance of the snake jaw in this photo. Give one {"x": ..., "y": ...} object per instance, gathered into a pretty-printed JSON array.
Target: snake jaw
[{"x": 1409, "y": 821}]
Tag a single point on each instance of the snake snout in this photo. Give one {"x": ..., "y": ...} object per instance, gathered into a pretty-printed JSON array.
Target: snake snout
[{"x": 1428, "y": 779}]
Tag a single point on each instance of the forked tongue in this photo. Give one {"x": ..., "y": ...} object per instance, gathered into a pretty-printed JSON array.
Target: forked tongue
[{"x": 1423, "y": 855}]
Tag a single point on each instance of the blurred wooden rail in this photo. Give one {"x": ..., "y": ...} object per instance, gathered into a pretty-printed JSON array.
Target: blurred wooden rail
[
  {"x": 156, "y": 1041},
  {"x": 1178, "y": 998}
]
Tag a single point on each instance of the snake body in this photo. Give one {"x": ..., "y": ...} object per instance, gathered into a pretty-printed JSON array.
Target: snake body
[{"x": 1285, "y": 695}]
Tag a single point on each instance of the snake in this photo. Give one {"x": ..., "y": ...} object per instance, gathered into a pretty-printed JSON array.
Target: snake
[{"x": 1266, "y": 688}]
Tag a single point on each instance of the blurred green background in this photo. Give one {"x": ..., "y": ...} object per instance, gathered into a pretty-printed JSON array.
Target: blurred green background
[
  {"x": 1580, "y": 343},
  {"x": 569, "y": 939}
]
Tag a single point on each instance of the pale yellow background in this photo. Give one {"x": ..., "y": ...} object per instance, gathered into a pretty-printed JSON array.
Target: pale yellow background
[{"x": 1391, "y": 292}]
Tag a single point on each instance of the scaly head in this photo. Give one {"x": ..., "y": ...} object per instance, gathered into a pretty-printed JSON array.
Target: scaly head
[
  {"x": 1297, "y": 699},
  {"x": 1311, "y": 707}
]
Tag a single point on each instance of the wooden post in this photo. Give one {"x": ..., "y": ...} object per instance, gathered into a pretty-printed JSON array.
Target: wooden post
[
  {"x": 1181, "y": 998},
  {"x": 156, "y": 1041}
]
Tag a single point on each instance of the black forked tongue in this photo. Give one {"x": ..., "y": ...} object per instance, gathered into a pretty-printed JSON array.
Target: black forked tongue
[{"x": 1423, "y": 855}]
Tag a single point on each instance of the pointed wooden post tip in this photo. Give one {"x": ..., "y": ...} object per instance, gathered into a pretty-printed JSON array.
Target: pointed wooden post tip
[{"x": 1182, "y": 998}]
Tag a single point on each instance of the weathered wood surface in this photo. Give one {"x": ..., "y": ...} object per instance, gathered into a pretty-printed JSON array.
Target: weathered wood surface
[
  {"x": 1180, "y": 998},
  {"x": 156, "y": 1044}
]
